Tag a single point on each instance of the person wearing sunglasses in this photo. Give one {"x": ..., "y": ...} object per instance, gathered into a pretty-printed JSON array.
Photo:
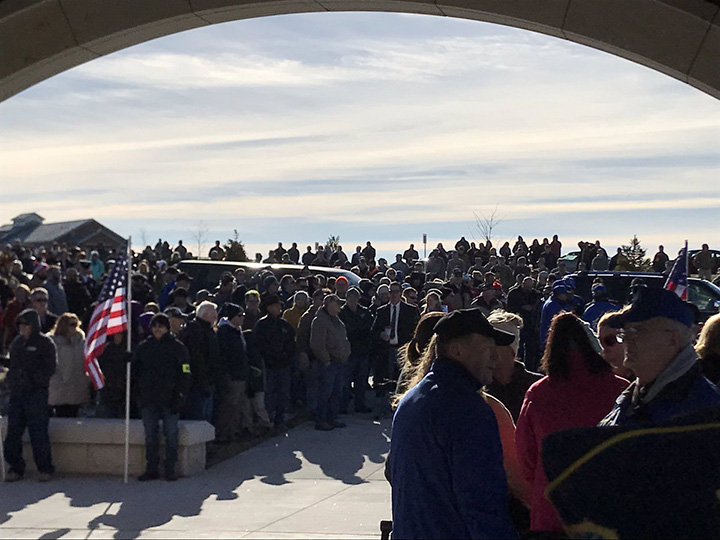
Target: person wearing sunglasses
[
  {"x": 39, "y": 299},
  {"x": 657, "y": 334}
]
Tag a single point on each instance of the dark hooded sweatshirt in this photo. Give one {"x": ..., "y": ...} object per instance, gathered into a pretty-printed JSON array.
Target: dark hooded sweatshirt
[{"x": 32, "y": 360}]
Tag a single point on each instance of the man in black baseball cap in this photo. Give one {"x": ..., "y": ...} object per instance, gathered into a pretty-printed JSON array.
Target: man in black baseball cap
[
  {"x": 467, "y": 337},
  {"x": 445, "y": 461}
]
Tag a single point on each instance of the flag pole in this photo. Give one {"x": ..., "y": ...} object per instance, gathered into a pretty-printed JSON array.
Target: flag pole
[{"x": 127, "y": 364}]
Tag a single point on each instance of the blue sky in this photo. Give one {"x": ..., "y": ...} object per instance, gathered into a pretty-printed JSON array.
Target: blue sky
[{"x": 366, "y": 126}]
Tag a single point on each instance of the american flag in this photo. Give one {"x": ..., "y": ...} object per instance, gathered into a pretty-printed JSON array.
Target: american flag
[
  {"x": 677, "y": 281},
  {"x": 110, "y": 317}
]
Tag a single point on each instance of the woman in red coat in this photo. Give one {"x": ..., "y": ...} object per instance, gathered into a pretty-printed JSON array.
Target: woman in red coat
[{"x": 579, "y": 390}]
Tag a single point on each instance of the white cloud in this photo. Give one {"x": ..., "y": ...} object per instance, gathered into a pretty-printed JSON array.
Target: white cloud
[{"x": 515, "y": 117}]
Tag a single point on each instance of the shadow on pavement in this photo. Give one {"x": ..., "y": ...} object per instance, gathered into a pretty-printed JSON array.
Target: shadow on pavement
[{"x": 134, "y": 507}]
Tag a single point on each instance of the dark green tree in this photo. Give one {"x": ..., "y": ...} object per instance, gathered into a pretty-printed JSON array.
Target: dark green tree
[
  {"x": 635, "y": 254},
  {"x": 235, "y": 249}
]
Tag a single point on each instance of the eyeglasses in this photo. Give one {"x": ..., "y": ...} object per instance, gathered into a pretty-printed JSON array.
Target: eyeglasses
[
  {"x": 632, "y": 333},
  {"x": 40, "y": 300},
  {"x": 610, "y": 341}
]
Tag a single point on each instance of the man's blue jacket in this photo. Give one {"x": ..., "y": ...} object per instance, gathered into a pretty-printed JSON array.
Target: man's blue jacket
[{"x": 446, "y": 462}]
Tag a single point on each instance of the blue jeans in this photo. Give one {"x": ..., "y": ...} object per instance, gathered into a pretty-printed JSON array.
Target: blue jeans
[
  {"x": 331, "y": 386},
  {"x": 277, "y": 392},
  {"x": 198, "y": 406},
  {"x": 356, "y": 376},
  {"x": 151, "y": 417},
  {"x": 29, "y": 410}
]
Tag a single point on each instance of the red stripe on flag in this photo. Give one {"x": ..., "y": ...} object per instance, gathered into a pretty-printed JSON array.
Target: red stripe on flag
[{"x": 109, "y": 317}]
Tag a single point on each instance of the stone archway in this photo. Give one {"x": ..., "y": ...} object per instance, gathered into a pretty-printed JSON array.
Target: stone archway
[{"x": 41, "y": 38}]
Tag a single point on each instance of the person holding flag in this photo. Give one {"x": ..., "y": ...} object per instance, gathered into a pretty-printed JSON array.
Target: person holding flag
[{"x": 677, "y": 281}]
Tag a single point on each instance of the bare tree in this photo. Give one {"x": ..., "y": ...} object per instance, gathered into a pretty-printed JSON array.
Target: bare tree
[
  {"x": 486, "y": 225},
  {"x": 199, "y": 235},
  {"x": 143, "y": 236}
]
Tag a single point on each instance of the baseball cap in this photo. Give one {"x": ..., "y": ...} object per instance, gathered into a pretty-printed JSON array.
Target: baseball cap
[
  {"x": 464, "y": 322},
  {"x": 559, "y": 286},
  {"x": 569, "y": 282},
  {"x": 230, "y": 310},
  {"x": 174, "y": 313},
  {"x": 652, "y": 302}
]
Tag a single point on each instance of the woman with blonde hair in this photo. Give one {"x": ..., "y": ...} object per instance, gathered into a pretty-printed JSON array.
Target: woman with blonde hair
[
  {"x": 708, "y": 349},
  {"x": 69, "y": 386}
]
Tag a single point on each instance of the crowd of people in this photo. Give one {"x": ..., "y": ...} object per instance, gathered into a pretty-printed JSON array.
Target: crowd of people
[{"x": 520, "y": 353}]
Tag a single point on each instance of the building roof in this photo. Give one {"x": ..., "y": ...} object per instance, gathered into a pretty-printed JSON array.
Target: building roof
[
  {"x": 49, "y": 232},
  {"x": 29, "y": 229},
  {"x": 24, "y": 217}
]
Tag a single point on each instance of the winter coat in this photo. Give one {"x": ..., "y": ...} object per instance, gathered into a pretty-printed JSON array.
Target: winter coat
[
  {"x": 78, "y": 298},
  {"x": 358, "y": 325},
  {"x": 201, "y": 342},
  {"x": 70, "y": 384},
  {"x": 163, "y": 372},
  {"x": 446, "y": 461},
  {"x": 328, "y": 338},
  {"x": 689, "y": 393},
  {"x": 233, "y": 352},
  {"x": 113, "y": 363},
  {"x": 57, "y": 300},
  {"x": 33, "y": 360},
  {"x": 275, "y": 340},
  {"x": 256, "y": 364},
  {"x": 303, "y": 330}
]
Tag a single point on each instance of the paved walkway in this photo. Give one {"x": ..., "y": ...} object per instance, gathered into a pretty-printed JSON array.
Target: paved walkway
[{"x": 305, "y": 484}]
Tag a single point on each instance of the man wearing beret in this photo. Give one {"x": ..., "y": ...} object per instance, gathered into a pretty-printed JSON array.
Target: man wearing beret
[
  {"x": 445, "y": 462},
  {"x": 657, "y": 334}
]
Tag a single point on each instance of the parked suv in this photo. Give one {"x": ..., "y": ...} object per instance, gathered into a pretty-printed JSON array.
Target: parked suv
[
  {"x": 705, "y": 295},
  {"x": 206, "y": 274}
]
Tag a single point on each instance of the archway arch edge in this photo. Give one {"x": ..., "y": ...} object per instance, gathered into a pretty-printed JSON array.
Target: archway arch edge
[{"x": 41, "y": 38}]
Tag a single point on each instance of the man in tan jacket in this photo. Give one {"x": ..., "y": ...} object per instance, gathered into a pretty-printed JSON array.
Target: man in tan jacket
[{"x": 329, "y": 343}]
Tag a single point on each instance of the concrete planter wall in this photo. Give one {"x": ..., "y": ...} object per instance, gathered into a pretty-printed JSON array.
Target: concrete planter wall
[{"x": 97, "y": 446}]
